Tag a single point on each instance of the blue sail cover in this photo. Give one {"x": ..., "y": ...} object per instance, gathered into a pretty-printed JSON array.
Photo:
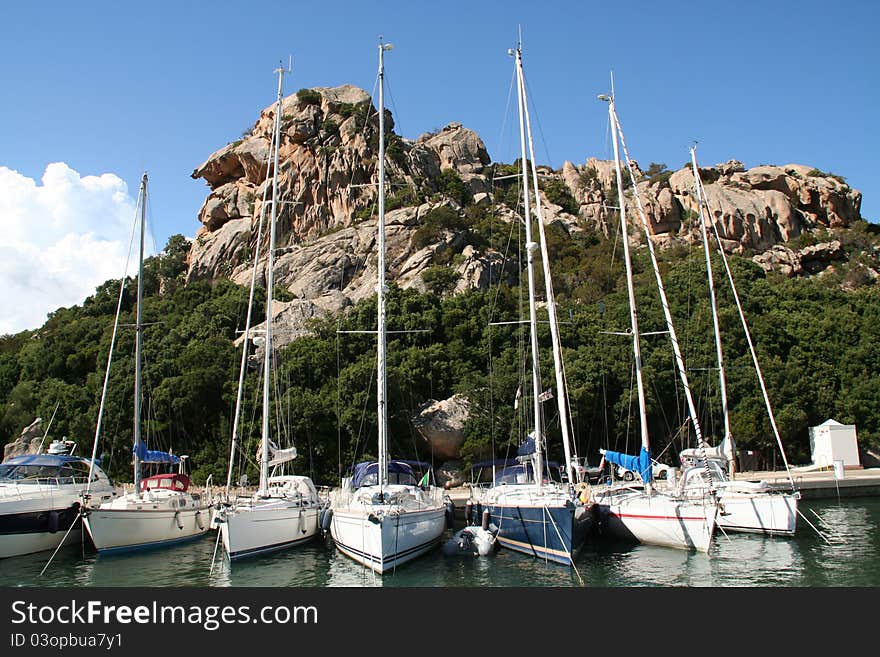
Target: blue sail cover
[
  {"x": 527, "y": 447},
  {"x": 640, "y": 463},
  {"x": 362, "y": 470},
  {"x": 153, "y": 456}
]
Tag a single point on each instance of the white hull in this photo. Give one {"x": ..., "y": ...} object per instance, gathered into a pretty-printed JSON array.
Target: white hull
[
  {"x": 658, "y": 519},
  {"x": 760, "y": 513},
  {"x": 384, "y": 536},
  {"x": 26, "y": 511},
  {"x": 744, "y": 506},
  {"x": 132, "y": 527},
  {"x": 13, "y": 545},
  {"x": 266, "y": 526}
]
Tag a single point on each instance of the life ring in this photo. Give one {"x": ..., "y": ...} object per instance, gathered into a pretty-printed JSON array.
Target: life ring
[{"x": 584, "y": 490}]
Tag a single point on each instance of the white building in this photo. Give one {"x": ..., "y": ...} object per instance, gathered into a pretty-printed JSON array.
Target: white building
[{"x": 832, "y": 441}]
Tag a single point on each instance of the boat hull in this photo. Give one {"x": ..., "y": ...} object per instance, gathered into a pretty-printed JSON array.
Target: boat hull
[
  {"x": 267, "y": 527},
  {"x": 13, "y": 545},
  {"x": 658, "y": 520},
  {"x": 121, "y": 530},
  {"x": 37, "y": 520},
  {"x": 556, "y": 533},
  {"x": 381, "y": 540},
  {"x": 762, "y": 513}
]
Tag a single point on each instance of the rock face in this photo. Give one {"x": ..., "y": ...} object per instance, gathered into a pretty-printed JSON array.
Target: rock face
[
  {"x": 326, "y": 225},
  {"x": 441, "y": 424},
  {"x": 810, "y": 260},
  {"x": 754, "y": 208},
  {"x": 27, "y": 443}
]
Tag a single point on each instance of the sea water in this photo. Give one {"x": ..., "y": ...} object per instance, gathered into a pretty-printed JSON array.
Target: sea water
[{"x": 842, "y": 551}]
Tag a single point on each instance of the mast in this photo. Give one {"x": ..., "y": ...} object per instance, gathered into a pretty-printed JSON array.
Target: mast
[
  {"x": 742, "y": 318},
  {"x": 643, "y": 415},
  {"x": 722, "y": 380},
  {"x": 381, "y": 388},
  {"x": 561, "y": 389},
  {"x": 664, "y": 302},
  {"x": 244, "y": 346},
  {"x": 139, "y": 329},
  {"x": 270, "y": 284},
  {"x": 531, "y": 247}
]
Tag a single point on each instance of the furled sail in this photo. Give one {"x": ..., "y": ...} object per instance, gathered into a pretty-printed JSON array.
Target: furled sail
[
  {"x": 640, "y": 463},
  {"x": 277, "y": 456}
]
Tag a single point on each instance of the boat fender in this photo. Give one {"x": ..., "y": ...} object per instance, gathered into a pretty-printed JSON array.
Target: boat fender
[
  {"x": 199, "y": 520},
  {"x": 584, "y": 492},
  {"x": 478, "y": 513},
  {"x": 53, "y": 521},
  {"x": 177, "y": 518},
  {"x": 468, "y": 510},
  {"x": 450, "y": 514},
  {"x": 485, "y": 522},
  {"x": 326, "y": 518}
]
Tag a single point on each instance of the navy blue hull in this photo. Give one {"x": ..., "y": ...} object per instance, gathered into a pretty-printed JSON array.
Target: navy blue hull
[{"x": 553, "y": 533}]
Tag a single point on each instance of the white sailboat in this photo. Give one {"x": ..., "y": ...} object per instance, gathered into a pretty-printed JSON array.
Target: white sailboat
[
  {"x": 162, "y": 509},
  {"x": 285, "y": 509},
  {"x": 381, "y": 517},
  {"x": 532, "y": 513},
  {"x": 744, "y": 506},
  {"x": 644, "y": 513}
]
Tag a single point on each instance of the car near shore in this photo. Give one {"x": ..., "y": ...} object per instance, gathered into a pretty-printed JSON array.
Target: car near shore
[{"x": 659, "y": 471}]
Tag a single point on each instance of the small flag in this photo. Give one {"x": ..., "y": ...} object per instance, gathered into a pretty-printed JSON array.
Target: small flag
[
  {"x": 517, "y": 397},
  {"x": 544, "y": 396},
  {"x": 424, "y": 480}
]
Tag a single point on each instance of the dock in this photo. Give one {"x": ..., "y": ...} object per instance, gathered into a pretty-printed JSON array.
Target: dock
[
  {"x": 812, "y": 484},
  {"x": 821, "y": 484}
]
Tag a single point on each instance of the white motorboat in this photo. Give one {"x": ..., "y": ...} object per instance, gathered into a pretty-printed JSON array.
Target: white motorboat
[{"x": 40, "y": 500}]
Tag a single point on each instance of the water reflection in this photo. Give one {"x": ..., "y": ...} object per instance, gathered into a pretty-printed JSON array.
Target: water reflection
[{"x": 848, "y": 555}]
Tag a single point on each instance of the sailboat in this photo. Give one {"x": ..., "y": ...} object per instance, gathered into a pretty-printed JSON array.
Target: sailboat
[
  {"x": 381, "y": 516},
  {"x": 643, "y": 513},
  {"x": 285, "y": 509},
  {"x": 744, "y": 506},
  {"x": 532, "y": 513},
  {"x": 162, "y": 509}
]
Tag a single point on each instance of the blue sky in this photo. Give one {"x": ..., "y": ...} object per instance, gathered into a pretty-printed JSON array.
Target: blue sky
[{"x": 120, "y": 87}]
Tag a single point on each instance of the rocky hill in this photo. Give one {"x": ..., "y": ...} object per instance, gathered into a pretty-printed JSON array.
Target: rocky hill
[{"x": 443, "y": 186}]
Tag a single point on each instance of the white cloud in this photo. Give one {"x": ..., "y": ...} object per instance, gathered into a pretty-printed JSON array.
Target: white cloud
[{"x": 59, "y": 240}]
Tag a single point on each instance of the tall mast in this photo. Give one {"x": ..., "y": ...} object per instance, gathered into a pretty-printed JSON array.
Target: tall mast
[
  {"x": 722, "y": 380},
  {"x": 531, "y": 247},
  {"x": 664, "y": 301},
  {"x": 381, "y": 388},
  {"x": 244, "y": 345},
  {"x": 561, "y": 389},
  {"x": 637, "y": 354},
  {"x": 270, "y": 284},
  {"x": 742, "y": 318},
  {"x": 139, "y": 329}
]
